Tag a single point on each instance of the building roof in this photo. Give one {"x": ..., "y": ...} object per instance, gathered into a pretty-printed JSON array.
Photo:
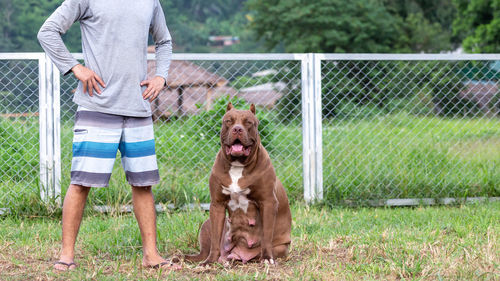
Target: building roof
[{"x": 187, "y": 74}]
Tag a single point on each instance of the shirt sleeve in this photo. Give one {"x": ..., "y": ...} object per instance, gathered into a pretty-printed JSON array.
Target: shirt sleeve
[
  {"x": 57, "y": 24},
  {"x": 163, "y": 41}
]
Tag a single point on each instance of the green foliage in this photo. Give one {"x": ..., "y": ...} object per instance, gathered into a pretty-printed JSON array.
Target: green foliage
[
  {"x": 291, "y": 25},
  {"x": 365, "y": 88},
  {"x": 418, "y": 34},
  {"x": 289, "y": 106},
  {"x": 207, "y": 124},
  {"x": 190, "y": 22},
  {"x": 246, "y": 81},
  {"x": 478, "y": 23},
  {"x": 15, "y": 147},
  {"x": 448, "y": 102},
  {"x": 20, "y": 21},
  {"x": 337, "y": 26},
  {"x": 324, "y": 25}
]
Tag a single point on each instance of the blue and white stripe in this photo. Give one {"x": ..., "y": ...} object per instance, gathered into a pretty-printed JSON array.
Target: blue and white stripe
[{"x": 98, "y": 136}]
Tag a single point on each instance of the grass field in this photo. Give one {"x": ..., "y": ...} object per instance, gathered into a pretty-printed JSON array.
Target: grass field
[
  {"x": 384, "y": 156},
  {"x": 423, "y": 243}
]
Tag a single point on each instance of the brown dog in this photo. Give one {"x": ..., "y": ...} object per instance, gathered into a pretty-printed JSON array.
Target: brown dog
[{"x": 243, "y": 172}]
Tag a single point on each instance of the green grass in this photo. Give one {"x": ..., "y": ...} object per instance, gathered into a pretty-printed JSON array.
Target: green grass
[
  {"x": 401, "y": 156},
  {"x": 380, "y": 157},
  {"x": 423, "y": 243}
]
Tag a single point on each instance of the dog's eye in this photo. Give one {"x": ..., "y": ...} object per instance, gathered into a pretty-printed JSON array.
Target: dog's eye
[
  {"x": 249, "y": 123},
  {"x": 227, "y": 121}
]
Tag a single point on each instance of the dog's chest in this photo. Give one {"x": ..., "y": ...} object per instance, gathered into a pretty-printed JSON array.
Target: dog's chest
[{"x": 238, "y": 196}]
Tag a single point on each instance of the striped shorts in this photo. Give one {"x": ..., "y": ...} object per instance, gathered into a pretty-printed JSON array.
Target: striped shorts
[{"x": 96, "y": 139}]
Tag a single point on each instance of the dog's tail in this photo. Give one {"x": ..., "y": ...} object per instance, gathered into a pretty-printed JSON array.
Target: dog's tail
[{"x": 204, "y": 239}]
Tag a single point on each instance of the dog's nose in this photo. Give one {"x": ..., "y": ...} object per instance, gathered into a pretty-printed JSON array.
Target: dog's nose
[{"x": 237, "y": 130}]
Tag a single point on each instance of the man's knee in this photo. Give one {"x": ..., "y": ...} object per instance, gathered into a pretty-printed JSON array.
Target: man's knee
[
  {"x": 141, "y": 188},
  {"x": 79, "y": 188}
]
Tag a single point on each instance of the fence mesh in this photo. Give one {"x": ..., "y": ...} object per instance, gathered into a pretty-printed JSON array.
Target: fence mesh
[
  {"x": 410, "y": 129},
  {"x": 19, "y": 137},
  {"x": 187, "y": 119},
  {"x": 391, "y": 129}
]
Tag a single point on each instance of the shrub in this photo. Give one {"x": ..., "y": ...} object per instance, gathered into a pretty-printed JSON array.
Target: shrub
[{"x": 447, "y": 85}]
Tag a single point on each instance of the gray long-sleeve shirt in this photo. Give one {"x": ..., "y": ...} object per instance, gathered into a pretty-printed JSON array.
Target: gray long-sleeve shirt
[{"x": 114, "y": 41}]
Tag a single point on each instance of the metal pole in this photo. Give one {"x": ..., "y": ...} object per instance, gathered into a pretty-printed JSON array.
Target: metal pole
[
  {"x": 49, "y": 164},
  {"x": 50, "y": 128},
  {"x": 311, "y": 126},
  {"x": 306, "y": 123},
  {"x": 56, "y": 91},
  {"x": 42, "y": 108},
  {"x": 318, "y": 132}
]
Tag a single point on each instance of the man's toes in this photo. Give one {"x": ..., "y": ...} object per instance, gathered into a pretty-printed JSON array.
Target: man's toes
[
  {"x": 64, "y": 266},
  {"x": 60, "y": 267}
]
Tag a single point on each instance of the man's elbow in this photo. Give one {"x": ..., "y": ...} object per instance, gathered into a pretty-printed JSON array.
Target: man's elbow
[
  {"x": 47, "y": 32},
  {"x": 41, "y": 35},
  {"x": 164, "y": 43}
]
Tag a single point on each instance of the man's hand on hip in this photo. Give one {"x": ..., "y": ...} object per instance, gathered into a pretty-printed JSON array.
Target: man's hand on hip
[
  {"x": 154, "y": 86},
  {"x": 89, "y": 78}
]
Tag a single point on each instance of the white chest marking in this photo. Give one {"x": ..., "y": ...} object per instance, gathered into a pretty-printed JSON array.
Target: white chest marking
[{"x": 238, "y": 196}]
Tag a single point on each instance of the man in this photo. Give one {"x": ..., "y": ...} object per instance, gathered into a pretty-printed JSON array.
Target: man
[{"x": 114, "y": 110}]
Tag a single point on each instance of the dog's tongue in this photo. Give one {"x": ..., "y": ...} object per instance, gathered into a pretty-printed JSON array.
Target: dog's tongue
[{"x": 238, "y": 148}]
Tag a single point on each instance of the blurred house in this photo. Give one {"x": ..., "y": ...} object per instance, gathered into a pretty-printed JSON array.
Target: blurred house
[
  {"x": 222, "y": 41},
  {"x": 484, "y": 94},
  {"x": 265, "y": 95},
  {"x": 191, "y": 88}
]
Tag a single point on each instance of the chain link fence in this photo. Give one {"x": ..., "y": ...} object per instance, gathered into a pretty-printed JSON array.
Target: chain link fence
[
  {"x": 19, "y": 138},
  {"x": 410, "y": 129},
  {"x": 392, "y": 128}
]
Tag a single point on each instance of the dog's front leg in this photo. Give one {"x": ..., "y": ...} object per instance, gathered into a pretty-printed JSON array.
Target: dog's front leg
[
  {"x": 217, "y": 217},
  {"x": 269, "y": 209}
]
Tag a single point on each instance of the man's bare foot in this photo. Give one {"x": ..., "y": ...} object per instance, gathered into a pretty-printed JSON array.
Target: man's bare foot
[{"x": 64, "y": 266}]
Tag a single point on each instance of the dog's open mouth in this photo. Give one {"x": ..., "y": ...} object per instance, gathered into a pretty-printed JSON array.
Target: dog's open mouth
[{"x": 237, "y": 149}]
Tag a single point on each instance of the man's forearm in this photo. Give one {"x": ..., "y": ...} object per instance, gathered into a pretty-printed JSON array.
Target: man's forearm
[{"x": 53, "y": 45}]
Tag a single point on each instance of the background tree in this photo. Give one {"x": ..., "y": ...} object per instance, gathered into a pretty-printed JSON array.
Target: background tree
[
  {"x": 286, "y": 25},
  {"x": 324, "y": 25},
  {"x": 20, "y": 21},
  {"x": 354, "y": 26},
  {"x": 478, "y": 23}
]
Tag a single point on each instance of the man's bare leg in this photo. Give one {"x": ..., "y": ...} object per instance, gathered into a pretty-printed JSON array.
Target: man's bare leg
[
  {"x": 74, "y": 204},
  {"x": 145, "y": 213}
]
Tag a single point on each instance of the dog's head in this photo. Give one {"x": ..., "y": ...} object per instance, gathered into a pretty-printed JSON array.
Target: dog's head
[{"x": 239, "y": 133}]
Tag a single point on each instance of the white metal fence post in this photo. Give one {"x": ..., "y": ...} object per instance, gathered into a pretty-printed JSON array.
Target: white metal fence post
[
  {"x": 50, "y": 152},
  {"x": 42, "y": 108},
  {"x": 318, "y": 132},
  {"x": 312, "y": 131},
  {"x": 306, "y": 125},
  {"x": 56, "y": 91}
]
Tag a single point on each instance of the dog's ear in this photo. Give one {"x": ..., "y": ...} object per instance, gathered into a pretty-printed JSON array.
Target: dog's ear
[
  {"x": 229, "y": 106},
  {"x": 252, "y": 108}
]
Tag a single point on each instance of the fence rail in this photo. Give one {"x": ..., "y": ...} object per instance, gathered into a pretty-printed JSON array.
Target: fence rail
[{"x": 343, "y": 128}]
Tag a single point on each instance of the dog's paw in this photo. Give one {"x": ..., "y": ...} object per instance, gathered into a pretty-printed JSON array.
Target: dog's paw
[
  {"x": 270, "y": 261},
  {"x": 209, "y": 260}
]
